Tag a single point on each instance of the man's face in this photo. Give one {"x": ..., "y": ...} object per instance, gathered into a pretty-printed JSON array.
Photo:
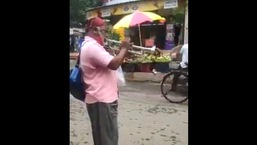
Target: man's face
[
  {"x": 102, "y": 31},
  {"x": 100, "y": 34}
]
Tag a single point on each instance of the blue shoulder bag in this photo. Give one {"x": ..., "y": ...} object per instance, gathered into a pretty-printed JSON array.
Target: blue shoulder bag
[{"x": 77, "y": 85}]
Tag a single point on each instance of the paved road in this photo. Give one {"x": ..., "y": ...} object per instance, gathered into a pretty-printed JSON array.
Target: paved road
[{"x": 145, "y": 118}]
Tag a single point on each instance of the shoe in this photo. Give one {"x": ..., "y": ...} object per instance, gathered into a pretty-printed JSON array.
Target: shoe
[{"x": 154, "y": 72}]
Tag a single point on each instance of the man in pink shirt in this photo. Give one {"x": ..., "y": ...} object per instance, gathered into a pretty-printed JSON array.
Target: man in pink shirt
[{"x": 99, "y": 74}]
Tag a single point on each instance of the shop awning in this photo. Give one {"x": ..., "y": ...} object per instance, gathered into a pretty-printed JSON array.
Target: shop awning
[
  {"x": 130, "y": 7},
  {"x": 115, "y": 2}
]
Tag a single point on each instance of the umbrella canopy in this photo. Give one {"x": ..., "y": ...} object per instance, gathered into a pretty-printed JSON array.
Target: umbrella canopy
[{"x": 137, "y": 18}]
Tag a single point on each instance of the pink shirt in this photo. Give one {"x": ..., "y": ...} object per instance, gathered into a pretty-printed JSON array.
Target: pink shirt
[{"x": 101, "y": 81}]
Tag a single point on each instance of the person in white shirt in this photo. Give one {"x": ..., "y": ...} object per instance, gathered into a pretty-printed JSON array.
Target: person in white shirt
[
  {"x": 183, "y": 65},
  {"x": 184, "y": 52}
]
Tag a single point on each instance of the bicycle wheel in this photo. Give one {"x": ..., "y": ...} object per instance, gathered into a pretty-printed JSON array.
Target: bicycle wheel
[{"x": 181, "y": 93}]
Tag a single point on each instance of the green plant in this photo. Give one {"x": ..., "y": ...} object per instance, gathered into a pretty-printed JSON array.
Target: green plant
[
  {"x": 178, "y": 15},
  {"x": 115, "y": 36},
  {"x": 112, "y": 34}
]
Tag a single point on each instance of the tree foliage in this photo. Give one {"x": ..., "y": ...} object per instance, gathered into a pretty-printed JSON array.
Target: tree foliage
[
  {"x": 78, "y": 10},
  {"x": 178, "y": 15}
]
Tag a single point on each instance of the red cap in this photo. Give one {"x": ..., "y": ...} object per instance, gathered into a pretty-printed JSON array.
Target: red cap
[{"x": 94, "y": 22}]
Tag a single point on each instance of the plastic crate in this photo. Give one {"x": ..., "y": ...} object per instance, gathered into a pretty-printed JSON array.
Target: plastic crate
[
  {"x": 162, "y": 67},
  {"x": 174, "y": 65}
]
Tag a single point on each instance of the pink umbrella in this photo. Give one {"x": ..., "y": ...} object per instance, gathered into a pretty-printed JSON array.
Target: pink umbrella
[{"x": 137, "y": 18}]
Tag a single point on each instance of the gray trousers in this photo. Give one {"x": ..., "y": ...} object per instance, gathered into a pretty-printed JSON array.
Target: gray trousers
[{"x": 103, "y": 117}]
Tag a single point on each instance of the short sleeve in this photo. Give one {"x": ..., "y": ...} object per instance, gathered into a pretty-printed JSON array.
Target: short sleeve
[{"x": 99, "y": 56}]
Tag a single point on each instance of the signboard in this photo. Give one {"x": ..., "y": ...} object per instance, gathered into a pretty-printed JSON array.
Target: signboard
[
  {"x": 169, "y": 26},
  {"x": 169, "y": 32},
  {"x": 168, "y": 4},
  {"x": 131, "y": 7},
  {"x": 106, "y": 12},
  {"x": 126, "y": 8}
]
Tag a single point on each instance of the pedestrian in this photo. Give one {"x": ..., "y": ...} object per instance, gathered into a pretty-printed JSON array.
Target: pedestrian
[
  {"x": 99, "y": 74},
  {"x": 177, "y": 30},
  {"x": 183, "y": 55}
]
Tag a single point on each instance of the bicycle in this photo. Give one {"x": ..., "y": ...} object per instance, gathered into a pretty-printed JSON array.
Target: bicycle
[{"x": 171, "y": 89}]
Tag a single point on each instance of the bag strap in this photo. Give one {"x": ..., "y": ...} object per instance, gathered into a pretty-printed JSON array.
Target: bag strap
[
  {"x": 78, "y": 60},
  {"x": 83, "y": 43}
]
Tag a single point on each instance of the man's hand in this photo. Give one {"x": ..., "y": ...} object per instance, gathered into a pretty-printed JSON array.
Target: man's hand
[
  {"x": 126, "y": 44},
  {"x": 173, "y": 55},
  {"x": 118, "y": 60}
]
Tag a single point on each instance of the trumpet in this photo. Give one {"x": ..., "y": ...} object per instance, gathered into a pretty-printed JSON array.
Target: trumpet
[
  {"x": 130, "y": 51},
  {"x": 152, "y": 49}
]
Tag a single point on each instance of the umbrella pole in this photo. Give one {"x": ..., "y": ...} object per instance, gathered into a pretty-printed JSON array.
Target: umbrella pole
[{"x": 140, "y": 39}]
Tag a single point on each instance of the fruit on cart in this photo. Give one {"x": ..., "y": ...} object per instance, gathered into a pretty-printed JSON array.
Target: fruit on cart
[
  {"x": 146, "y": 58},
  {"x": 163, "y": 59}
]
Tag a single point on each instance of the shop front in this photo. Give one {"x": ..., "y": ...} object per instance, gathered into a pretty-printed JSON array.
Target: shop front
[
  {"x": 116, "y": 9},
  {"x": 158, "y": 33}
]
